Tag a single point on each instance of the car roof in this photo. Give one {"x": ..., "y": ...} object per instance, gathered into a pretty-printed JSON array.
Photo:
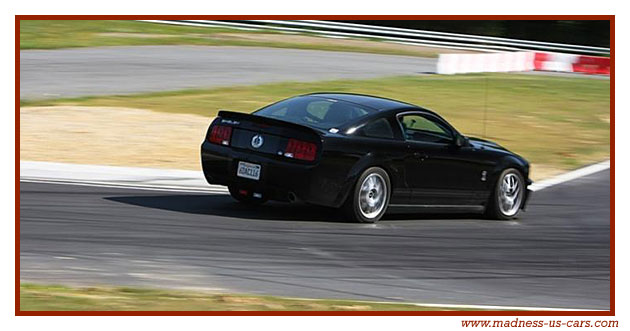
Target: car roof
[{"x": 377, "y": 103}]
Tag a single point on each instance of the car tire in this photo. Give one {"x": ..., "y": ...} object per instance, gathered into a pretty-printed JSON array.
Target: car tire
[
  {"x": 369, "y": 198},
  {"x": 245, "y": 198},
  {"x": 510, "y": 185}
]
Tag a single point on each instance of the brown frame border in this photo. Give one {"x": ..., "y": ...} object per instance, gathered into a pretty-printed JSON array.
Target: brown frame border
[{"x": 19, "y": 312}]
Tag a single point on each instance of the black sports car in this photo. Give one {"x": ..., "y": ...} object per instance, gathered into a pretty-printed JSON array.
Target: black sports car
[{"x": 363, "y": 154}]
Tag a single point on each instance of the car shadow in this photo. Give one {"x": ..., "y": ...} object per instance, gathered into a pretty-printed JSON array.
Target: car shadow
[{"x": 225, "y": 206}]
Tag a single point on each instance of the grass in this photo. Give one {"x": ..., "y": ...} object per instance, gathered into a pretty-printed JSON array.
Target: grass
[
  {"x": 52, "y": 34},
  {"x": 552, "y": 121},
  {"x": 34, "y": 297}
]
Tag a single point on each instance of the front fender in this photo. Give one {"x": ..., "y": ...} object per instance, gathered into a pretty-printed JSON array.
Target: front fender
[{"x": 510, "y": 161}]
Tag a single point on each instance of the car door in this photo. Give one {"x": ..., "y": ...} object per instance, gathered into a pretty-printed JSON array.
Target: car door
[{"x": 438, "y": 171}]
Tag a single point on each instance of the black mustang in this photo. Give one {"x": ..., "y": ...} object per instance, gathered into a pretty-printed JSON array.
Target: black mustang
[{"x": 363, "y": 154}]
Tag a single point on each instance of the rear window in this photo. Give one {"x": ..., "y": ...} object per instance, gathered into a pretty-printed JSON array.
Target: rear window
[{"x": 315, "y": 112}]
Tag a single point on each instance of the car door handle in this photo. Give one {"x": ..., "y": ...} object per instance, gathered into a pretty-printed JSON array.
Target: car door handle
[{"x": 420, "y": 155}]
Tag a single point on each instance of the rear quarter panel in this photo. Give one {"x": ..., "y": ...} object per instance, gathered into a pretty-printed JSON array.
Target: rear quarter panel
[{"x": 344, "y": 159}]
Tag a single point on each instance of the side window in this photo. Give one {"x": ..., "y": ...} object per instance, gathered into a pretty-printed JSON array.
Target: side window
[
  {"x": 425, "y": 129},
  {"x": 377, "y": 129},
  {"x": 280, "y": 112}
]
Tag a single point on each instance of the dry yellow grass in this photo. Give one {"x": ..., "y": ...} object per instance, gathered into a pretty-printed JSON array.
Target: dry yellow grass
[
  {"x": 111, "y": 136},
  {"x": 37, "y": 297}
]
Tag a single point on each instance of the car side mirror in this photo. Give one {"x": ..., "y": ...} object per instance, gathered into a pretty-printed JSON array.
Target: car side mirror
[{"x": 461, "y": 141}]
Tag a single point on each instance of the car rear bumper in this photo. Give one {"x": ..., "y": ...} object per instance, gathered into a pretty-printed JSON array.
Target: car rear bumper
[{"x": 281, "y": 180}]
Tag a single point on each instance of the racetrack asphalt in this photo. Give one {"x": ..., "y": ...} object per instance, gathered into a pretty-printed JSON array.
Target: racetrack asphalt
[
  {"x": 556, "y": 255},
  {"x": 133, "y": 69}
]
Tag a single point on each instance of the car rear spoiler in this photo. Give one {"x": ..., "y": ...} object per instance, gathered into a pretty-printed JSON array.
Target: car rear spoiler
[{"x": 236, "y": 119}]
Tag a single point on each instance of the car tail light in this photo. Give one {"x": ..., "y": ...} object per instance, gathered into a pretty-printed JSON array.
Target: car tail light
[
  {"x": 220, "y": 134},
  {"x": 301, "y": 150}
]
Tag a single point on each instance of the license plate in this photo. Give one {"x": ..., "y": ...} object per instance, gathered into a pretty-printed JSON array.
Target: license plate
[{"x": 248, "y": 170}]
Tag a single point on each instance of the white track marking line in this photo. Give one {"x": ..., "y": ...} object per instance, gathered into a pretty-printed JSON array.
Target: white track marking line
[
  {"x": 217, "y": 189},
  {"x": 571, "y": 175},
  {"x": 64, "y": 258},
  {"x": 211, "y": 188}
]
